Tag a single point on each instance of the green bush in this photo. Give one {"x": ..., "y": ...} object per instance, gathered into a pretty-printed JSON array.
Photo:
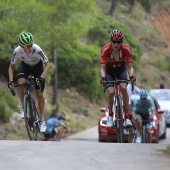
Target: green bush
[
  {"x": 4, "y": 110},
  {"x": 8, "y": 104},
  {"x": 79, "y": 67}
]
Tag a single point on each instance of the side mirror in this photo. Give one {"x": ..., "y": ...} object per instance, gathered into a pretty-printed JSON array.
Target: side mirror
[
  {"x": 102, "y": 109},
  {"x": 160, "y": 111}
]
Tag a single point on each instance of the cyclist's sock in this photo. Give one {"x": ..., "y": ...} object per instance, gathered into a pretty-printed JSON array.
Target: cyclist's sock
[
  {"x": 126, "y": 113},
  {"x": 110, "y": 112},
  {"x": 41, "y": 118},
  {"x": 22, "y": 105},
  {"x": 138, "y": 133}
]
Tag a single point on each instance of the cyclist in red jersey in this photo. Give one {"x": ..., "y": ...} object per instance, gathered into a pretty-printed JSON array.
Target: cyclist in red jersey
[{"x": 115, "y": 62}]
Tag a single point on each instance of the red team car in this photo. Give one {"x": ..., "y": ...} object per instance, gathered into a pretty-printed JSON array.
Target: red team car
[{"x": 108, "y": 134}]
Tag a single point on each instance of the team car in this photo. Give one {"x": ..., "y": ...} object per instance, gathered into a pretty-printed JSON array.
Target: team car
[
  {"x": 163, "y": 97},
  {"x": 158, "y": 130}
]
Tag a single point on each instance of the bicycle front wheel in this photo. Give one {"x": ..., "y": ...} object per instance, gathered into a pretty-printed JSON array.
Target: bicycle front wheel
[
  {"x": 30, "y": 122},
  {"x": 120, "y": 129},
  {"x": 144, "y": 135}
]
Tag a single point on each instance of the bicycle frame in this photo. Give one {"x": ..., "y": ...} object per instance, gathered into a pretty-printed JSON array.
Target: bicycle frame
[
  {"x": 118, "y": 109},
  {"x": 144, "y": 132},
  {"x": 144, "y": 137},
  {"x": 30, "y": 111}
]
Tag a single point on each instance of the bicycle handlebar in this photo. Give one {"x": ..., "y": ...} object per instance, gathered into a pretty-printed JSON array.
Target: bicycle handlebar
[
  {"x": 120, "y": 81},
  {"x": 24, "y": 84}
]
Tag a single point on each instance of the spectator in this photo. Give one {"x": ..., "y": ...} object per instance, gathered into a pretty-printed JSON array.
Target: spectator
[
  {"x": 62, "y": 116},
  {"x": 135, "y": 91},
  {"x": 162, "y": 86},
  {"x": 55, "y": 129}
]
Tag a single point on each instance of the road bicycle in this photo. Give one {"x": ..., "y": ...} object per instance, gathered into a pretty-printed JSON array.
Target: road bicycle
[
  {"x": 118, "y": 109},
  {"x": 144, "y": 137},
  {"x": 31, "y": 114}
]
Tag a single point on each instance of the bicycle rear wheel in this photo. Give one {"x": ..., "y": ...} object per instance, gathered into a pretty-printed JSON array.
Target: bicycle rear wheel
[
  {"x": 30, "y": 121},
  {"x": 120, "y": 129}
]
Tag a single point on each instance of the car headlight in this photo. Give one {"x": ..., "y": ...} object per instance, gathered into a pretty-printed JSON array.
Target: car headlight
[{"x": 103, "y": 122}]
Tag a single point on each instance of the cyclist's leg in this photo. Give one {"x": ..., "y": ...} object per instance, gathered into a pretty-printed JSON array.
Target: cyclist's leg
[
  {"x": 110, "y": 91},
  {"x": 111, "y": 74},
  {"x": 125, "y": 96},
  {"x": 23, "y": 73},
  {"x": 130, "y": 137},
  {"x": 148, "y": 129},
  {"x": 37, "y": 71},
  {"x": 58, "y": 132},
  {"x": 130, "y": 129},
  {"x": 138, "y": 122}
]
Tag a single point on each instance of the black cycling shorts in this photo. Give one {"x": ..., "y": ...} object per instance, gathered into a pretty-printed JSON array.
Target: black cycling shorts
[
  {"x": 50, "y": 135},
  {"x": 115, "y": 72},
  {"x": 25, "y": 70},
  {"x": 145, "y": 117}
]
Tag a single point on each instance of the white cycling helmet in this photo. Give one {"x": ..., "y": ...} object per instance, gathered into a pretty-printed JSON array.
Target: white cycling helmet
[{"x": 133, "y": 97}]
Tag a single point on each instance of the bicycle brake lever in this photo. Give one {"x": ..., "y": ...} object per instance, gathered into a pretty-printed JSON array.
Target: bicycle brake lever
[{"x": 12, "y": 92}]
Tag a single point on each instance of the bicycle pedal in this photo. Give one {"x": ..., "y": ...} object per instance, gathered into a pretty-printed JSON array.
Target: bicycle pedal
[{"x": 37, "y": 121}]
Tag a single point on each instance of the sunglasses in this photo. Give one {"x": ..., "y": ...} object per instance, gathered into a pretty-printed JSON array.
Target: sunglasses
[
  {"x": 143, "y": 98},
  {"x": 116, "y": 42},
  {"x": 27, "y": 46}
]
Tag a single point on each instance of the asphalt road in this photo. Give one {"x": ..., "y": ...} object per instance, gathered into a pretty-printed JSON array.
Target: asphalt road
[{"x": 83, "y": 151}]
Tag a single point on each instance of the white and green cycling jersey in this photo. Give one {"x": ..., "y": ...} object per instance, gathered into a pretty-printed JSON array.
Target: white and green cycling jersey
[{"x": 31, "y": 58}]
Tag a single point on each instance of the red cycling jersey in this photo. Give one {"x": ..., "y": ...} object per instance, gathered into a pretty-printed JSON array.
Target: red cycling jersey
[{"x": 125, "y": 53}]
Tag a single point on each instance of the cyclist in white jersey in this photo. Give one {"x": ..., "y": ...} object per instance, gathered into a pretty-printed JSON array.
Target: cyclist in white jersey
[{"x": 32, "y": 58}]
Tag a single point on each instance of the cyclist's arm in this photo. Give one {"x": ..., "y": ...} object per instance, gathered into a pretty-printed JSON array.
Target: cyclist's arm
[
  {"x": 152, "y": 113},
  {"x": 47, "y": 66},
  {"x": 130, "y": 69},
  {"x": 133, "y": 113},
  {"x": 11, "y": 71},
  {"x": 102, "y": 70},
  {"x": 137, "y": 90},
  {"x": 134, "y": 109},
  {"x": 64, "y": 114}
]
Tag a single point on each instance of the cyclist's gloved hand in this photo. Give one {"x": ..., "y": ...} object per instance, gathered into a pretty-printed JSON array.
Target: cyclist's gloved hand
[
  {"x": 40, "y": 80},
  {"x": 133, "y": 78},
  {"x": 10, "y": 84},
  {"x": 102, "y": 80},
  {"x": 151, "y": 119},
  {"x": 41, "y": 83}
]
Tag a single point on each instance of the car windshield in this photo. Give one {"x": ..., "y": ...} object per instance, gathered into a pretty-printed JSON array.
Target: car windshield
[{"x": 160, "y": 94}]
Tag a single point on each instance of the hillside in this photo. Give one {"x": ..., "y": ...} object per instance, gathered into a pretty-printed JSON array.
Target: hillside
[
  {"x": 152, "y": 30},
  {"x": 161, "y": 21}
]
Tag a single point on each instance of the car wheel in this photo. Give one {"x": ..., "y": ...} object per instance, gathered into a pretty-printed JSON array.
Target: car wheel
[
  {"x": 157, "y": 138},
  {"x": 102, "y": 140},
  {"x": 164, "y": 135}
]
